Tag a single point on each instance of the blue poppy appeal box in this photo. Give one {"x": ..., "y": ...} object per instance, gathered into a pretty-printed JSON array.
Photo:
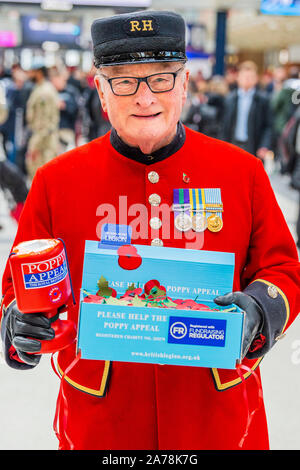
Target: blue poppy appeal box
[{"x": 129, "y": 331}]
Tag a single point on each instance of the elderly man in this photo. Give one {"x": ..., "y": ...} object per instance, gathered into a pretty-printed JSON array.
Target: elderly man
[{"x": 148, "y": 157}]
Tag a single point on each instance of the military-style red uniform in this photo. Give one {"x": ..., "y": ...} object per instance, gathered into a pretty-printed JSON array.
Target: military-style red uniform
[{"x": 145, "y": 406}]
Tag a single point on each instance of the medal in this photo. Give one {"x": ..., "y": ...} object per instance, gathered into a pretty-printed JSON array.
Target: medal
[
  {"x": 199, "y": 223},
  {"x": 197, "y": 200},
  {"x": 183, "y": 222},
  {"x": 214, "y": 223},
  {"x": 214, "y": 208},
  {"x": 181, "y": 206},
  {"x": 198, "y": 209}
]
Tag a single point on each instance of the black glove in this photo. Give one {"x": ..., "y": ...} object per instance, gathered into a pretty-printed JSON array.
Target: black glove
[
  {"x": 253, "y": 317},
  {"x": 17, "y": 329}
]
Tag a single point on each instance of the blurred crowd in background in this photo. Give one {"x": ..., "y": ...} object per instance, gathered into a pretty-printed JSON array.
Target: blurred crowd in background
[{"x": 47, "y": 111}]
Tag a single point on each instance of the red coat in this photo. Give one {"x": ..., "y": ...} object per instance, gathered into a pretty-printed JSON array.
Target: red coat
[{"x": 145, "y": 406}]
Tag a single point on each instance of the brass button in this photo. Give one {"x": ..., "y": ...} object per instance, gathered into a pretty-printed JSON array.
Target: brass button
[
  {"x": 154, "y": 199},
  {"x": 272, "y": 292},
  {"x": 157, "y": 242},
  {"x": 153, "y": 177},
  {"x": 155, "y": 223}
]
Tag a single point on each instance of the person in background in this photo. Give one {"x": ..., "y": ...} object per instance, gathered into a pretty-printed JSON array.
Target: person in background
[
  {"x": 76, "y": 78},
  {"x": 281, "y": 106},
  {"x": 12, "y": 180},
  {"x": 23, "y": 88},
  {"x": 42, "y": 116},
  {"x": 266, "y": 82},
  {"x": 14, "y": 186},
  {"x": 247, "y": 119},
  {"x": 197, "y": 114},
  {"x": 96, "y": 122},
  {"x": 216, "y": 94},
  {"x": 231, "y": 77},
  {"x": 17, "y": 90},
  {"x": 3, "y": 105},
  {"x": 292, "y": 166},
  {"x": 205, "y": 108},
  {"x": 7, "y": 127},
  {"x": 3, "y": 117},
  {"x": 68, "y": 104}
]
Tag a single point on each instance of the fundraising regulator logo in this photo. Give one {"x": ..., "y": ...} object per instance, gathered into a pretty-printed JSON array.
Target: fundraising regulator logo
[{"x": 206, "y": 332}]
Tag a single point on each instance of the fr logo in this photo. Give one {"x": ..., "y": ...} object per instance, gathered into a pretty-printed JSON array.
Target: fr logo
[{"x": 178, "y": 330}]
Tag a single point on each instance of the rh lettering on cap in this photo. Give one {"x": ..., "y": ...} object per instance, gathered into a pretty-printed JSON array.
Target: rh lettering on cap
[
  {"x": 144, "y": 25},
  {"x": 140, "y": 27}
]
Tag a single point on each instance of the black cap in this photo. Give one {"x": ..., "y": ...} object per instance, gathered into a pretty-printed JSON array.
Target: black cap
[{"x": 139, "y": 37}]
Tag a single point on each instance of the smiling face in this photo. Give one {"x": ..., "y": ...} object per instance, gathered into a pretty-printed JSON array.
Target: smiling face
[{"x": 146, "y": 120}]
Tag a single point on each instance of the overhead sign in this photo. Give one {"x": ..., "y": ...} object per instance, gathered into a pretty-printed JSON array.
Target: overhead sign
[
  {"x": 196, "y": 41},
  {"x": 280, "y": 7},
  {"x": 96, "y": 3},
  {"x": 37, "y": 29},
  {"x": 195, "y": 37}
]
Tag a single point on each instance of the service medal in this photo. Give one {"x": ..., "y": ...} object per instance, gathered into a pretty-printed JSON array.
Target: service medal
[
  {"x": 183, "y": 222},
  {"x": 199, "y": 223},
  {"x": 181, "y": 206},
  {"x": 214, "y": 223}
]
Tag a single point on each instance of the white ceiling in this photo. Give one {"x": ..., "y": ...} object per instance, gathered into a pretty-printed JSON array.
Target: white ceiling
[
  {"x": 206, "y": 4},
  {"x": 247, "y": 28}
]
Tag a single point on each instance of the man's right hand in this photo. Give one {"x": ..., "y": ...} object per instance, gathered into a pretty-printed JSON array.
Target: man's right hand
[{"x": 20, "y": 335}]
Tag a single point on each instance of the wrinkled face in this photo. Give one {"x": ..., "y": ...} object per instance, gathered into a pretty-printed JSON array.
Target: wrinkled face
[{"x": 147, "y": 116}]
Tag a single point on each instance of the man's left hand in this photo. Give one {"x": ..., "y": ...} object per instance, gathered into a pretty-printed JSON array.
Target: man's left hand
[{"x": 253, "y": 317}]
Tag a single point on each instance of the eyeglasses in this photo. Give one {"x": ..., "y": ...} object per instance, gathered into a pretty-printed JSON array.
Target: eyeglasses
[{"x": 157, "y": 82}]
